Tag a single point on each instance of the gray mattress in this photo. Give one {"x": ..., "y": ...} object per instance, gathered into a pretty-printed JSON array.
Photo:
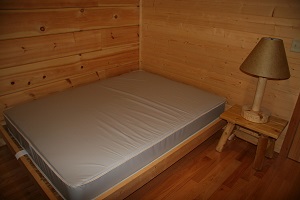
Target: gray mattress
[{"x": 87, "y": 139}]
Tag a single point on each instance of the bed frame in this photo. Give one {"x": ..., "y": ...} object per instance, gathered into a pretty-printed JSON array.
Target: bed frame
[{"x": 135, "y": 181}]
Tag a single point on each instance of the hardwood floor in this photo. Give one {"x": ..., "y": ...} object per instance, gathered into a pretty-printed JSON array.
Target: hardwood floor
[
  {"x": 202, "y": 174},
  {"x": 206, "y": 174},
  {"x": 15, "y": 182}
]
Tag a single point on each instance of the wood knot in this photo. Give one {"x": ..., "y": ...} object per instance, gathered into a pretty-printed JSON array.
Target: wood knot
[
  {"x": 116, "y": 16},
  {"x": 81, "y": 10},
  {"x": 42, "y": 28}
]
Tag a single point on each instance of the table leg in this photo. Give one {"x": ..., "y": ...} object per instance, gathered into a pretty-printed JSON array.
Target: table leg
[
  {"x": 227, "y": 132},
  {"x": 270, "y": 148},
  {"x": 260, "y": 152}
]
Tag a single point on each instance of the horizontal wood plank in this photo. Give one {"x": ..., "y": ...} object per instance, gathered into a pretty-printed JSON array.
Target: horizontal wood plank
[
  {"x": 26, "y": 95},
  {"x": 41, "y": 48},
  {"x": 34, "y": 4},
  {"x": 28, "y": 23},
  {"x": 44, "y": 72}
]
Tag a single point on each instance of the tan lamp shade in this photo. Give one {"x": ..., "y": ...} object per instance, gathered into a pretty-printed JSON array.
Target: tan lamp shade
[{"x": 267, "y": 59}]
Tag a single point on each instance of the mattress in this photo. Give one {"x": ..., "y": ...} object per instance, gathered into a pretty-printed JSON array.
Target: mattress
[{"x": 87, "y": 139}]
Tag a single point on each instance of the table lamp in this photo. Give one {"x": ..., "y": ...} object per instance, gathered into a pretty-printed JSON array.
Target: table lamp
[{"x": 266, "y": 61}]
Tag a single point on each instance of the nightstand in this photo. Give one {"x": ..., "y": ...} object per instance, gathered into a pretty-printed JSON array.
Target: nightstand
[{"x": 268, "y": 133}]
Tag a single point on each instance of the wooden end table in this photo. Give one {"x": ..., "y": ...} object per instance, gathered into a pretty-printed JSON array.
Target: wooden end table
[{"x": 268, "y": 133}]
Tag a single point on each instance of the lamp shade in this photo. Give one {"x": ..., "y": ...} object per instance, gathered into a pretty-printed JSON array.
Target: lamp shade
[{"x": 268, "y": 60}]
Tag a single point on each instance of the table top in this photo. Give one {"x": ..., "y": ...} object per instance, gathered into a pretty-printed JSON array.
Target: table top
[{"x": 272, "y": 128}]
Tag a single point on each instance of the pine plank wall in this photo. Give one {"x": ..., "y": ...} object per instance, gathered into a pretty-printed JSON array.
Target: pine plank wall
[
  {"x": 203, "y": 43},
  {"x": 52, "y": 45}
]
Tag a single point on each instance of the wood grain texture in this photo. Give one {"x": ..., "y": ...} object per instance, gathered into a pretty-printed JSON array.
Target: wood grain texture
[
  {"x": 273, "y": 128},
  {"x": 292, "y": 130},
  {"x": 51, "y": 46},
  {"x": 292, "y": 142},
  {"x": 28, "y": 23},
  {"x": 295, "y": 150},
  {"x": 206, "y": 174},
  {"x": 34, "y": 4},
  {"x": 15, "y": 182},
  {"x": 203, "y": 43},
  {"x": 44, "y": 48},
  {"x": 56, "y": 69}
]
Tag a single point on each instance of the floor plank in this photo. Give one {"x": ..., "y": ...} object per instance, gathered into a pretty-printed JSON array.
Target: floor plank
[
  {"x": 15, "y": 182},
  {"x": 206, "y": 174}
]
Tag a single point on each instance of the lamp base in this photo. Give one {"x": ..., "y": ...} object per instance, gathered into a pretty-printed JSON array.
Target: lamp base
[{"x": 261, "y": 116}]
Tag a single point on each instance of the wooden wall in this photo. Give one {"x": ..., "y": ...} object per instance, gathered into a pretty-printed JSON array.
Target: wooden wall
[
  {"x": 203, "y": 43},
  {"x": 51, "y": 45}
]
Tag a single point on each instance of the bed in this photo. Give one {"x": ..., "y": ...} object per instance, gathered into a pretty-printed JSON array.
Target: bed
[{"x": 106, "y": 139}]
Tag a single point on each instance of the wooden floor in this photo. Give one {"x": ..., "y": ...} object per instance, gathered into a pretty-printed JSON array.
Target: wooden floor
[
  {"x": 202, "y": 174},
  {"x": 207, "y": 174},
  {"x": 15, "y": 183}
]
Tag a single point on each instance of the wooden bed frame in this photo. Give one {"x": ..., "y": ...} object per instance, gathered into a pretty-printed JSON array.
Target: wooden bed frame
[{"x": 133, "y": 182}]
